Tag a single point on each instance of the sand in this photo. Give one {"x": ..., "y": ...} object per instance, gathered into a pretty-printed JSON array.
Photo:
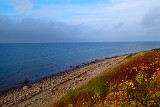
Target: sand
[{"x": 42, "y": 93}]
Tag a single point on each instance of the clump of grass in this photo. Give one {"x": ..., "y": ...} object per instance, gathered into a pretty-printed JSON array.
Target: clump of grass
[{"x": 130, "y": 55}]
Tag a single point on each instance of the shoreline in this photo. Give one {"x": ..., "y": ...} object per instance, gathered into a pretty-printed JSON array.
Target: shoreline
[
  {"x": 71, "y": 67},
  {"x": 49, "y": 88}
]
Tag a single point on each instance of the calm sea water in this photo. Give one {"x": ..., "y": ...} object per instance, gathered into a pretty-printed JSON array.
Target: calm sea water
[{"x": 32, "y": 62}]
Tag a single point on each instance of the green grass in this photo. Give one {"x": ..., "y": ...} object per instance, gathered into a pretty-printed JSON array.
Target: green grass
[{"x": 88, "y": 90}]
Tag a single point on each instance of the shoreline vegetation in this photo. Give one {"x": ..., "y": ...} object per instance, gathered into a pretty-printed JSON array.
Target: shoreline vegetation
[
  {"x": 44, "y": 92},
  {"x": 134, "y": 82}
]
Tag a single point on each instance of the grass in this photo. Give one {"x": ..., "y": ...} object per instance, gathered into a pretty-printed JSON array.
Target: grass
[
  {"x": 133, "y": 82},
  {"x": 84, "y": 93}
]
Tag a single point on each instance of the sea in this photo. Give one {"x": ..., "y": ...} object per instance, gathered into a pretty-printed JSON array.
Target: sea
[{"x": 25, "y": 63}]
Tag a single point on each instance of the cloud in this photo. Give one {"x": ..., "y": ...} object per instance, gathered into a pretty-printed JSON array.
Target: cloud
[
  {"x": 152, "y": 18},
  {"x": 91, "y": 12},
  {"x": 27, "y": 8},
  {"x": 45, "y": 12},
  {"x": 151, "y": 24},
  {"x": 117, "y": 20},
  {"x": 21, "y": 6},
  {"x": 127, "y": 4},
  {"x": 112, "y": 12},
  {"x": 36, "y": 30},
  {"x": 119, "y": 25}
]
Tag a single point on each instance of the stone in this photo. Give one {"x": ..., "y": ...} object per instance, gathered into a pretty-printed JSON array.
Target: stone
[{"x": 25, "y": 88}]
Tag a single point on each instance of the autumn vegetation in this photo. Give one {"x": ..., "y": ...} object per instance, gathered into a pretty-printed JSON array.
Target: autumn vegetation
[{"x": 135, "y": 82}]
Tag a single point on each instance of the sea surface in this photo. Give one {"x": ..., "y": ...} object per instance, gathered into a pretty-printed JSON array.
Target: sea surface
[{"x": 21, "y": 64}]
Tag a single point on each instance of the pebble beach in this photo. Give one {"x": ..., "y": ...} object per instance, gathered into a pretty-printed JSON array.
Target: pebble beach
[{"x": 43, "y": 92}]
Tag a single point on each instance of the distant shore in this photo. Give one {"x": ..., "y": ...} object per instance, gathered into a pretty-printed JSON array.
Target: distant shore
[{"x": 43, "y": 92}]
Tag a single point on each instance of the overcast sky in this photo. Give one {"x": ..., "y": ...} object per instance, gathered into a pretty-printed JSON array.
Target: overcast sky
[{"x": 34, "y": 21}]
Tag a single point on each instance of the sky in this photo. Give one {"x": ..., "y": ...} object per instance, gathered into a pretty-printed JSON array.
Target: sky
[{"x": 48, "y": 21}]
